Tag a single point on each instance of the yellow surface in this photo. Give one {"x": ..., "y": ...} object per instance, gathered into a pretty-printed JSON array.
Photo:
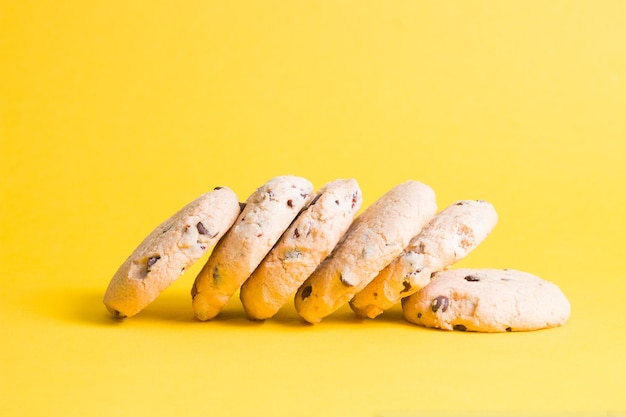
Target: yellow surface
[{"x": 115, "y": 114}]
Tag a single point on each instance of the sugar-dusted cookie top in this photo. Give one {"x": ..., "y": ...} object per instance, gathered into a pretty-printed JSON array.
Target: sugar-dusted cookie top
[{"x": 487, "y": 300}]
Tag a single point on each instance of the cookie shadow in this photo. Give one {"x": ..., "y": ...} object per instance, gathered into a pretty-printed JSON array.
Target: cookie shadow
[
  {"x": 288, "y": 316},
  {"x": 76, "y": 306},
  {"x": 85, "y": 307}
]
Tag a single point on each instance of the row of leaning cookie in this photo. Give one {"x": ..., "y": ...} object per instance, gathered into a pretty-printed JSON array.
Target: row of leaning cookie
[{"x": 284, "y": 232}]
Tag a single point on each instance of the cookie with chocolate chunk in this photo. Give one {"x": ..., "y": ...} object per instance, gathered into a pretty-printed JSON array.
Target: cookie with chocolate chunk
[
  {"x": 169, "y": 250},
  {"x": 449, "y": 237},
  {"x": 373, "y": 240},
  {"x": 309, "y": 239},
  {"x": 267, "y": 214},
  {"x": 487, "y": 300}
]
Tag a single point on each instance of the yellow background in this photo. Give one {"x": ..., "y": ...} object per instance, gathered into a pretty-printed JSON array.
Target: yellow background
[{"x": 115, "y": 114}]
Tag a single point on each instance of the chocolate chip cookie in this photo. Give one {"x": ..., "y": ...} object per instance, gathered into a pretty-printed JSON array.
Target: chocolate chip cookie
[
  {"x": 309, "y": 239},
  {"x": 373, "y": 240},
  {"x": 450, "y": 236},
  {"x": 487, "y": 300},
  {"x": 267, "y": 214},
  {"x": 169, "y": 250}
]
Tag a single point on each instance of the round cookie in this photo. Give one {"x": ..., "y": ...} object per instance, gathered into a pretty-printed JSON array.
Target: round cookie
[
  {"x": 309, "y": 239},
  {"x": 172, "y": 247},
  {"x": 373, "y": 240},
  {"x": 266, "y": 215},
  {"x": 487, "y": 300},
  {"x": 449, "y": 237}
]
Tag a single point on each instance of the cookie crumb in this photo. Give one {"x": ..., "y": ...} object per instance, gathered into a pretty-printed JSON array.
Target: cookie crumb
[
  {"x": 151, "y": 261},
  {"x": 201, "y": 229}
]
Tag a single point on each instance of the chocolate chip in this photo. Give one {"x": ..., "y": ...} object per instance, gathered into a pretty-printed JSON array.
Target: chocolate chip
[
  {"x": 459, "y": 327},
  {"x": 508, "y": 329},
  {"x": 419, "y": 315},
  {"x": 201, "y": 229},
  {"x": 354, "y": 200},
  {"x": 460, "y": 203},
  {"x": 296, "y": 234},
  {"x": 290, "y": 203},
  {"x": 440, "y": 303},
  {"x": 217, "y": 188},
  {"x": 414, "y": 273},
  {"x": 271, "y": 195},
  {"x": 422, "y": 248},
  {"x": 151, "y": 261},
  {"x": 216, "y": 275},
  {"x": 407, "y": 286},
  {"x": 471, "y": 278},
  {"x": 337, "y": 202},
  {"x": 375, "y": 294},
  {"x": 304, "y": 195},
  {"x": 306, "y": 292},
  {"x": 433, "y": 275}
]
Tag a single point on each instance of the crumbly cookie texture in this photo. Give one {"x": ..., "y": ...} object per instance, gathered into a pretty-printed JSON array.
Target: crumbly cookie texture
[
  {"x": 373, "y": 240},
  {"x": 449, "y": 237},
  {"x": 309, "y": 239},
  {"x": 266, "y": 215},
  {"x": 487, "y": 300},
  {"x": 169, "y": 250}
]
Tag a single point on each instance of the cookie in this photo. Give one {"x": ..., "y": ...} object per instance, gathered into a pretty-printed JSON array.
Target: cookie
[
  {"x": 169, "y": 250},
  {"x": 309, "y": 239},
  {"x": 487, "y": 300},
  {"x": 373, "y": 240},
  {"x": 450, "y": 236},
  {"x": 267, "y": 214}
]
